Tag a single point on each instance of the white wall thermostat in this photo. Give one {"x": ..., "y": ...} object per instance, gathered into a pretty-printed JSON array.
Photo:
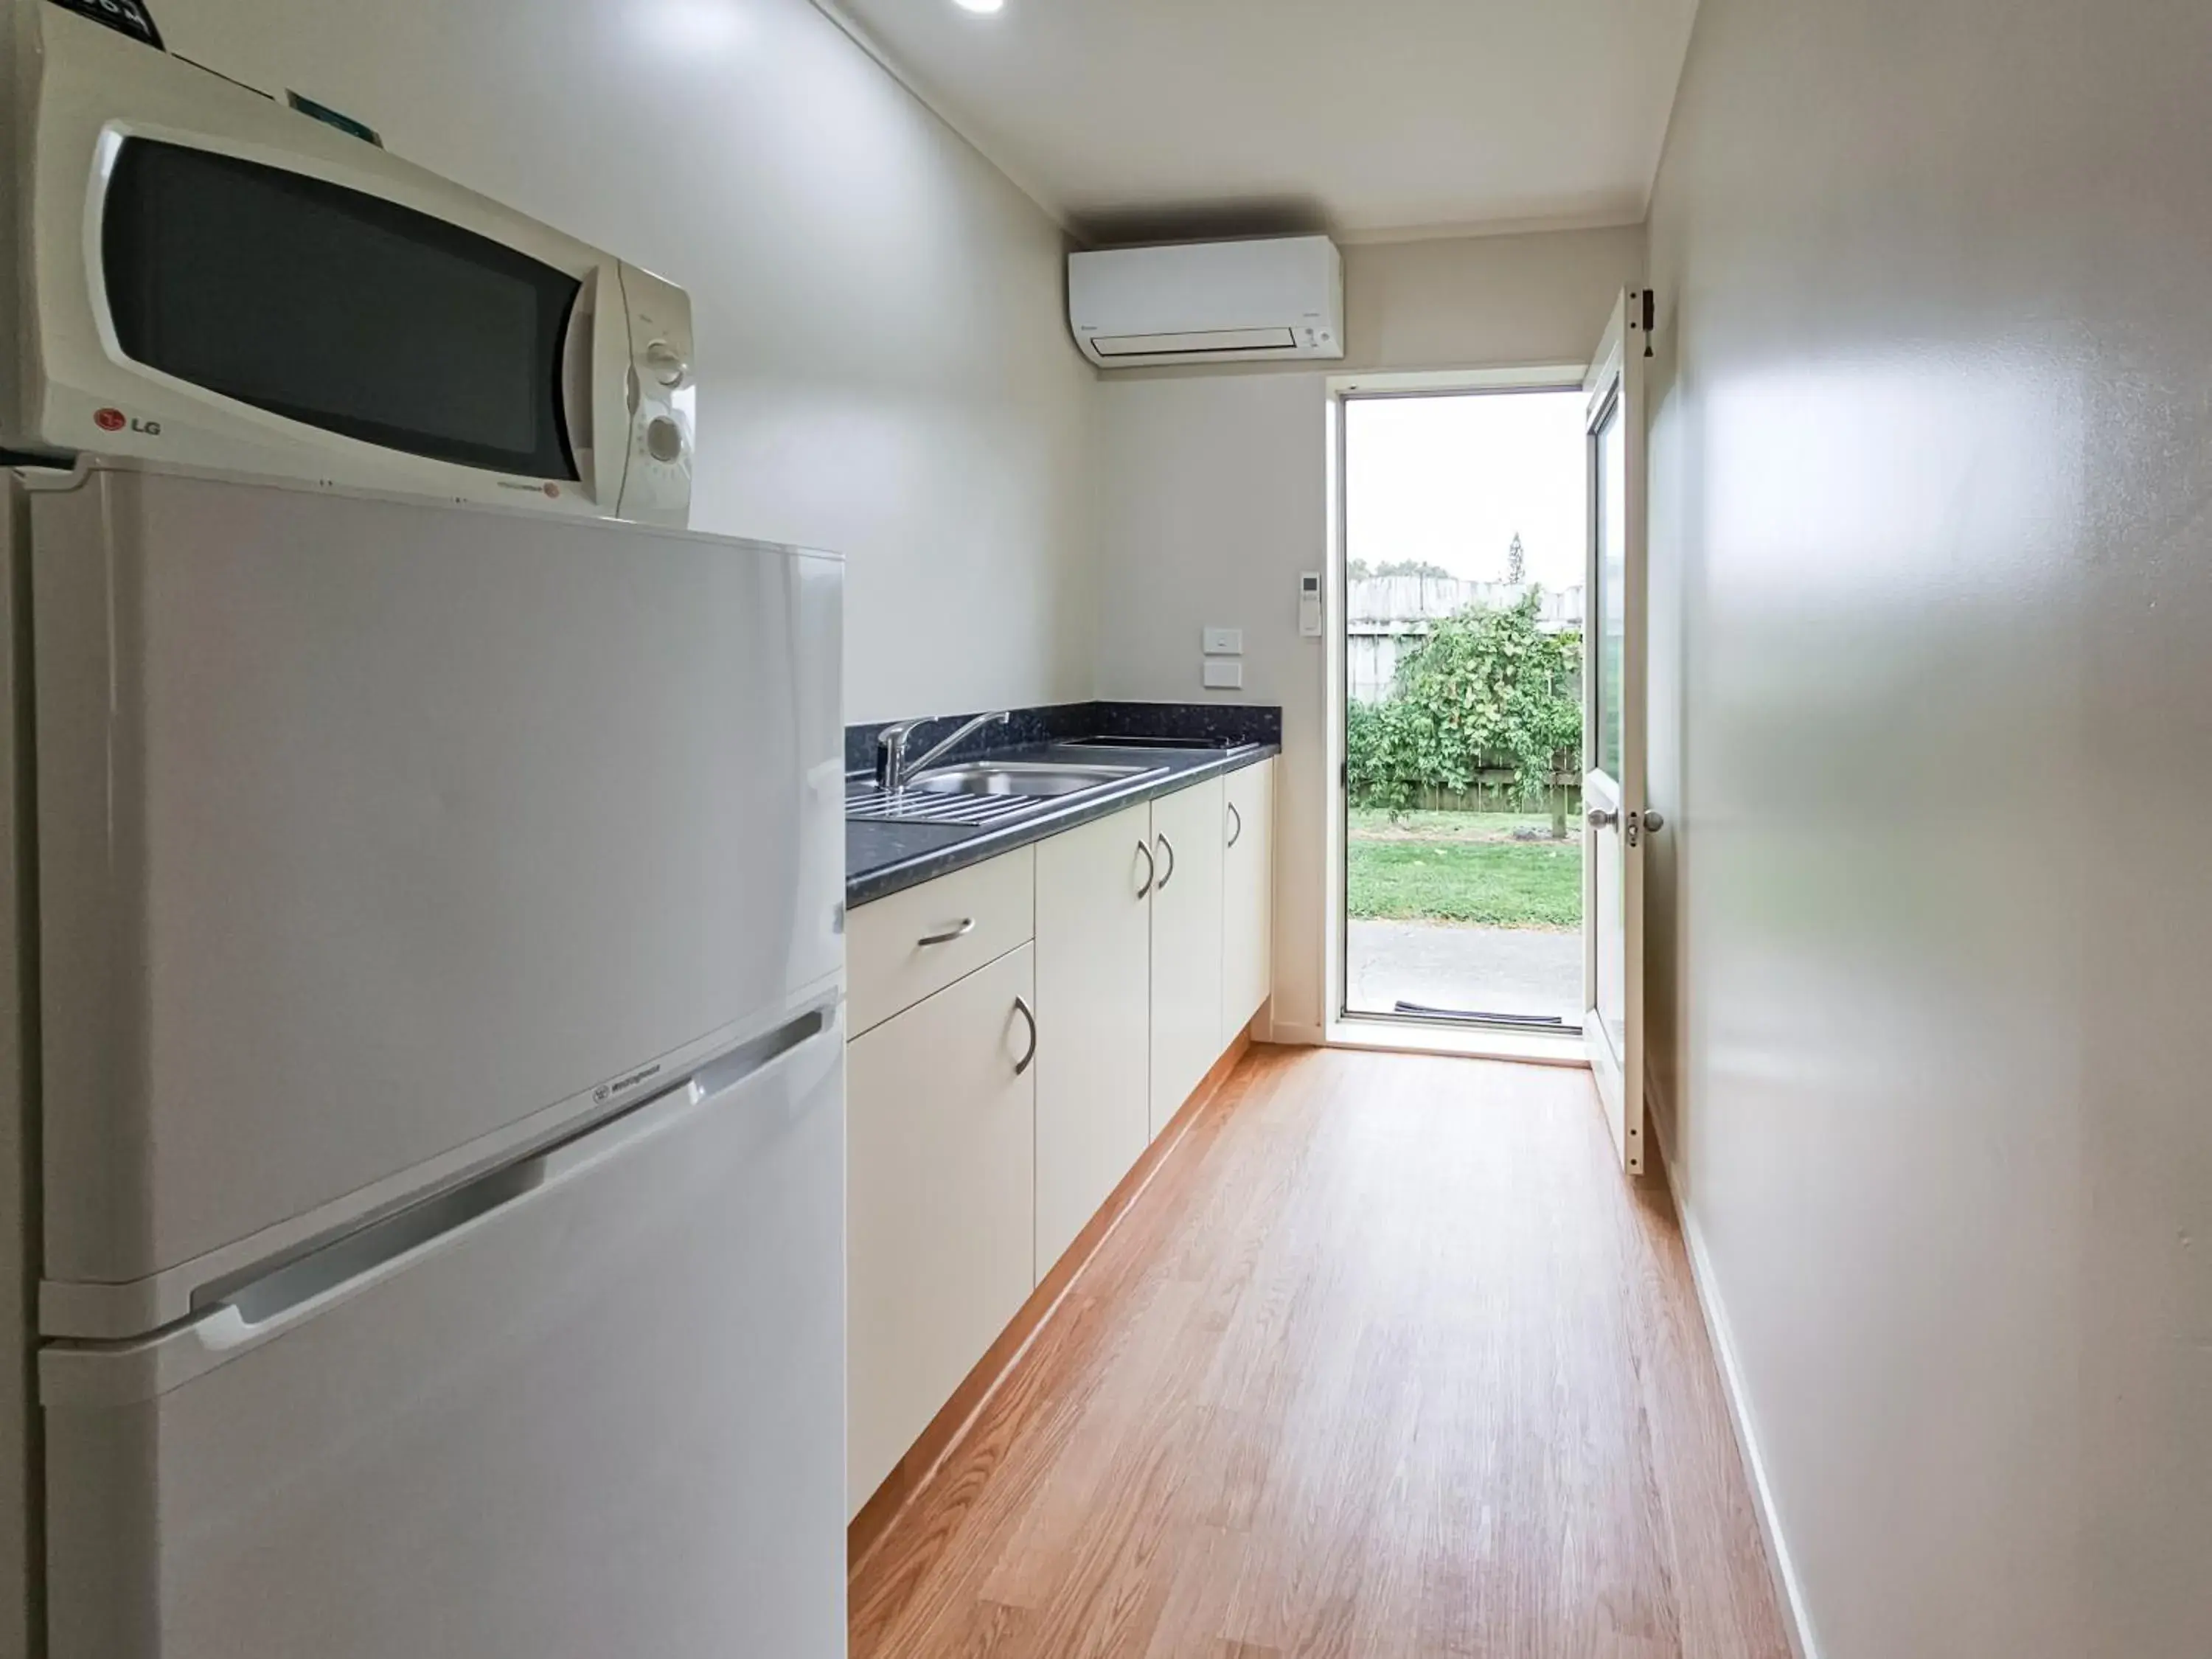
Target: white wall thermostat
[{"x": 1310, "y": 605}]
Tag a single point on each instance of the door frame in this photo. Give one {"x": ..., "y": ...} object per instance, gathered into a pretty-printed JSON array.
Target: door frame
[{"x": 1416, "y": 1032}]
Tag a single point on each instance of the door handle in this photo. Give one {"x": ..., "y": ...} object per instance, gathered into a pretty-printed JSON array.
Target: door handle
[
  {"x": 284, "y": 1298},
  {"x": 1028, "y": 1058},
  {"x": 966, "y": 926},
  {"x": 1602, "y": 819},
  {"x": 1167, "y": 847},
  {"x": 1237, "y": 818},
  {"x": 1151, "y": 869},
  {"x": 1654, "y": 821}
]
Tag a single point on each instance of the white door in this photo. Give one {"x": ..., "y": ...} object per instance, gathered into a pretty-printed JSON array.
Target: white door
[
  {"x": 1616, "y": 825},
  {"x": 1248, "y": 899},
  {"x": 1187, "y": 835},
  {"x": 1094, "y": 976},
  {"x": 590, "y": 1404},
  {"x": 377, "y": 841},
  {"x": 940, "y": 1181}
]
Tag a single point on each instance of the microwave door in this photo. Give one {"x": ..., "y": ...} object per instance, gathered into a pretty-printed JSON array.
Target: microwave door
[
  {"x": 336, "y": 309},
  {"x": 581, "y": 376}
]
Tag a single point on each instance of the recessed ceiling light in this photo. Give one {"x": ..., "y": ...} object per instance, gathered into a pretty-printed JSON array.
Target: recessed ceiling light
[{"x": 981, "y": 6}]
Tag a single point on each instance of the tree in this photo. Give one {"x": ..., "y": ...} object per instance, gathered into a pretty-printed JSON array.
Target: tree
[
  {"x": 1484, "y": 683},
  {"x": 1360, "y": 571},
  {"x": 1517, "y": 561}
]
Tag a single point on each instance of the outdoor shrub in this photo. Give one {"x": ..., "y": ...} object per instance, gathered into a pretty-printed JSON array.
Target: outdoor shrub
[{"x": 1484, "y": 685}]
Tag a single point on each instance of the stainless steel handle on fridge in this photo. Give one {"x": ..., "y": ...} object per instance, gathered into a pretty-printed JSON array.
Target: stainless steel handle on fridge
[
  {"x": 261, "y": 1307},
  {"x": 967, "y": 926},
  {"x": 1167, "y": 847},
  {"x": 1237, "y": 834},
  {"x": 1028, "y": 1058},
  {"x": 1151, "y": 869}
]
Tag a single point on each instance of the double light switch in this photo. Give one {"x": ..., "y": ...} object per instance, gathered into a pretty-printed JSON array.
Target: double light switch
[{"x": 1225, "y": 650}]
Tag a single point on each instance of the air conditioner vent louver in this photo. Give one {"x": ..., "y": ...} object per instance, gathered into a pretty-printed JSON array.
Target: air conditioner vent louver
[
  {"x": 1282, "y": 297},
  {"x": 1202, "y": 343}
]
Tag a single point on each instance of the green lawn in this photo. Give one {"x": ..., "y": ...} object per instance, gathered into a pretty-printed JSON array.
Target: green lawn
[{"x": 1464, "y": 867}]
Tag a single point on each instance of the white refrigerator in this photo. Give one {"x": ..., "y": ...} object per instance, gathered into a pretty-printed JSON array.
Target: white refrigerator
[{"x": 433, "y": 1088}]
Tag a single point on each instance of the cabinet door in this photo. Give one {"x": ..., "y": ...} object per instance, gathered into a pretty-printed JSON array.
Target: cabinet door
[
  {"x": 1246, "y": 896},
  {"x": 1094, "y": 1013},
  {"x": 941, "y": 1193},
  {"x": 1186, "y": 837}
]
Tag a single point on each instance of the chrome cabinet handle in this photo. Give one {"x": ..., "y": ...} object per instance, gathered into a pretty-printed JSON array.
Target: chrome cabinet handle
[
  {"x": 1151, "y": 869},
  {"x": 966, "y": 928},
  {"x": 1167, "y": 847},
  {"x": 1237, "y": 834},
  {"x": 1602, "y": 819},
  {"x": 1028, "y": 1058}
]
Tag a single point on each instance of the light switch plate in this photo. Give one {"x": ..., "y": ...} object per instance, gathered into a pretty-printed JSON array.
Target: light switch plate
[
  {"x": 1224, "y": 674},
  {"x": 1224, "y": 641}
]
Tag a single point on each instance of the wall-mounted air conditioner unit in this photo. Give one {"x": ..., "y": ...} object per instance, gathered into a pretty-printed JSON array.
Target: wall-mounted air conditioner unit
[{"x": 1209, "y": 302}]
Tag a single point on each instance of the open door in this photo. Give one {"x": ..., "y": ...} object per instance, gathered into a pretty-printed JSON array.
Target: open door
[{"x": 1616, "y": 826}]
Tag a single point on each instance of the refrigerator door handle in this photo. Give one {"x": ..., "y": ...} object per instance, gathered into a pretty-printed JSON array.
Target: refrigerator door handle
[{"x": 263, "y": 1306}]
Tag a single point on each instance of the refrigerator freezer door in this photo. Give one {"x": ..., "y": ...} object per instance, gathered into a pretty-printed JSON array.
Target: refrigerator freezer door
[
  {"x": 375, "y": 837},
  {"x": 604, "y": 1417}
]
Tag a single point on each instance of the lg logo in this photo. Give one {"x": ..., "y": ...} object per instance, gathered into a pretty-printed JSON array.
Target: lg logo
[{"x": 114, "y": 420}]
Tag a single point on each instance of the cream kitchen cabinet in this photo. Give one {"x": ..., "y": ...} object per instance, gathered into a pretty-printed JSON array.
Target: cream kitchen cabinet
[
  {"x": 1247, "y": 879},
  {"x": 1025, "y": 1028},
  {"x": 1094, "y": 1009},
  {"x": 941, "y": 1200},
  {"x": 1186, "y": 989}
]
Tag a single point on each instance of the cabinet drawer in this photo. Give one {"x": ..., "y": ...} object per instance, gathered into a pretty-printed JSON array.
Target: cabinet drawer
[{"x": 912, "y": 945}]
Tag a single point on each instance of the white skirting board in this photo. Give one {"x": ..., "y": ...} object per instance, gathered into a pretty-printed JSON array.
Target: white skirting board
[{"x": 1796, "y": 1616}]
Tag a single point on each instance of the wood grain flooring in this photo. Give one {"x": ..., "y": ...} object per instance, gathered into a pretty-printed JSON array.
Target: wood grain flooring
[{"x": 1388, "y": 1360}]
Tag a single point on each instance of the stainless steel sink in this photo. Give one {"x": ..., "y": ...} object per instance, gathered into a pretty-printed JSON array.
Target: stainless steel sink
[{"x": 1032, "y": 779}]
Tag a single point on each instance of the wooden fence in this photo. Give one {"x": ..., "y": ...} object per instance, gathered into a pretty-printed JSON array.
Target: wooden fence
[{"x": 1387, "y": 616}]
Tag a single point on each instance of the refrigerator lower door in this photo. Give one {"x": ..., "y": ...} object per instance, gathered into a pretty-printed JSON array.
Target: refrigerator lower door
[{"x": 599, "y": 1412}]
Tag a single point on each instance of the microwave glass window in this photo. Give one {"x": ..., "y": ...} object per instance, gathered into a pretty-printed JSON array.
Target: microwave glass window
[{"x": 336, "y": 308}]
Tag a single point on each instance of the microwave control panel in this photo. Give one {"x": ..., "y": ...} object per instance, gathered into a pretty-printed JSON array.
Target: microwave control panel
[{"x": 657, "y": 474}]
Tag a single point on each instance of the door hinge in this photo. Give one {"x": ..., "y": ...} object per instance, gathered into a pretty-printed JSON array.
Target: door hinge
[{"x": 1649, "y": 305}]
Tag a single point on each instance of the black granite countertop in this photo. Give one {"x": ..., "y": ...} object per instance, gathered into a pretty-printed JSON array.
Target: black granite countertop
[{"x": 882, "y": 858}]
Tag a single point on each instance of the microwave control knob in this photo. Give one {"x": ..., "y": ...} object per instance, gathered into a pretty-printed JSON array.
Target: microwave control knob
[
  {"x": 666, "y": 364},
  {"x": 664, "y": 439}
]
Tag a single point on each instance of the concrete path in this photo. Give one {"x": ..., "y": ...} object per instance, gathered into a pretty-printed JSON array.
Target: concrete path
[{"x": 1503, "y": 970}]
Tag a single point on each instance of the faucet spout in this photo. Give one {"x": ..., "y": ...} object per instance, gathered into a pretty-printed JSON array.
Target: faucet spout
[{"x": 892, "y": 767}]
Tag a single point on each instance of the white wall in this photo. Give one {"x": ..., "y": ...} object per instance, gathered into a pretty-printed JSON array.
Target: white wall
[
  {"x": 884, "y": 363},
  {"x": 1932, "y": 486},
  {"x": 1485, "y": 301},
  {"x": 1213, "y": 494},
  {"x": 1213, "y": 499}
]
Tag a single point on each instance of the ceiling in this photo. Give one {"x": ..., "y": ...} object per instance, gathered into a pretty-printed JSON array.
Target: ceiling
[{"x": 1131, "y": 119}]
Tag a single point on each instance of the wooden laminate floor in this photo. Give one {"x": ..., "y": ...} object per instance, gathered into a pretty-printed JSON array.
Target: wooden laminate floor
[{"x": 1389, "y": 1360}]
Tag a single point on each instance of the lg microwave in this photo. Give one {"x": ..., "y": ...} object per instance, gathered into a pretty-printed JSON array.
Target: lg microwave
[{"x": 203, "y": 277}]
